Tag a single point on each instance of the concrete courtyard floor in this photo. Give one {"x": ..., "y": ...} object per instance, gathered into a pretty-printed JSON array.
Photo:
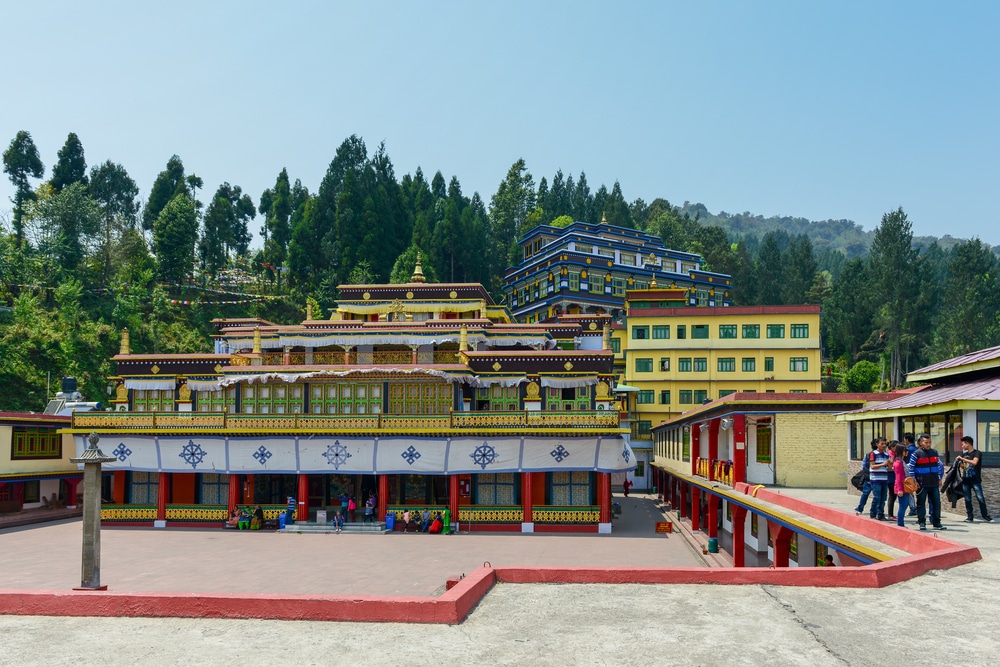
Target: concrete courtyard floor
[{"x": 945, "y": 616}]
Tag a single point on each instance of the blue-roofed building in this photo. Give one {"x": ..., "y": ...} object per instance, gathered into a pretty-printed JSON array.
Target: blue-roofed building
[{"x": 586, "y": 268}]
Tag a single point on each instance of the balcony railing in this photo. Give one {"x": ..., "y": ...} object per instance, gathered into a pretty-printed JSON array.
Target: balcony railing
[
  {"x": 378, "y": 357},
  {"x": 721, "y": 471},
  {"x": 459, "y": 421}
]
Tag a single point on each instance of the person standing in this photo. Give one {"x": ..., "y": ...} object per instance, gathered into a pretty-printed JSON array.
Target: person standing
[
  {"x": 352, "y": 508},
  {"x": 867, "y": 488},
  {"x": 891, "y": 482},
  {"x": 972, "y": 479},
  {"x": 899, "y": 468},
  {"x": 911, "y": 446},
  {"x": 927, "y": 468},
  {"x": 290, "y": 514},
  {"x": 626, "y": 485},
  {"x": 369, "y": 510},
  {"x": 878, "y": 472}
]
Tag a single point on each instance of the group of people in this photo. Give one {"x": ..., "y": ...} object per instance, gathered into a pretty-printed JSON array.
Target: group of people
[
  {"x": 889, "y": 464},
  {"x": 428, "y": 523},
  {"x": 244, "y": 517}
]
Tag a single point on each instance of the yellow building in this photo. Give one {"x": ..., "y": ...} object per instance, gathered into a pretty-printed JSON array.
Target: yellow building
[{"x": 679, "y": 357}]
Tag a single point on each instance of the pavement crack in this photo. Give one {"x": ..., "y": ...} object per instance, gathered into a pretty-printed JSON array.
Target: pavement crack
[{"x": 808, "y": 627}]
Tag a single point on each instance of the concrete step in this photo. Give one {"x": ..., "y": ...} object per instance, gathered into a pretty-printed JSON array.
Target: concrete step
[{"x": 313, "y": 527}]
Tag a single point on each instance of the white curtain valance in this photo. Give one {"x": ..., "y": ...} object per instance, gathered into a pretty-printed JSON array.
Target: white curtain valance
[
  {"x": 263, "y": 378},
  {"x": 381, "y": 338},
  {"x": 162, "y": 384},
  {"x": 247, "y": 343},
  {"x": 542, "y": 342},
  {"x": 566, "y": 383},
  {"x": 412, "y": 307},
  {"x": 508, "y": 381},
  {"x": 204, "y": 385}
]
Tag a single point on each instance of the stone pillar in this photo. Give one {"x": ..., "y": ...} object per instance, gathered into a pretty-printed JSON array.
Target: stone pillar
[
  {"x": 303, "y": 498},
  {"x": 92, "y": 458},
  {"x": 604, "y": 500},
  {"x": 162, "y": 498},
  {"x": 383, "y": 495},
  {"x": 527, "y": 518},
  {"x": 695, "y": 509},
  {"x": 739, "y": 536}
]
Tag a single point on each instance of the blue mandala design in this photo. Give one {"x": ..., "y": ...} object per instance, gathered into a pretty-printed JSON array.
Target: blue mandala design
[
  {"x": 262, "y": 455},
  {"x": 626, "y": 454},
  {"x": 193, "y": 454},
  {"x": 336, "y": 455},
  {"x": 559, "y": 453},
  {"x": 484, "y": 455},
  {"x": 410, "y": 455},
  {"x": 122, "y": 452}
]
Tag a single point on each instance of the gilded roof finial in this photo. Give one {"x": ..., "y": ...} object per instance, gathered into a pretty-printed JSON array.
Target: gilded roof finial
[
  {"x": 256, "y": 340},
  {"x": 309, "y": 310},
  {"x": 604, "y": 218},
  {"x": 418, "y": 273},
  {"x": 652, "y": 283},
  {"x": 463, "y": 338},
  {"x": 125, "y": 348}
]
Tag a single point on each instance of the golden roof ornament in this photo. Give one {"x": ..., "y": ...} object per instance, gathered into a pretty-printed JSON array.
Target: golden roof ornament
[
  {"x": 309, "y": 310},
  {"x": 652, "y": 283},
  {"x": 418, "y": 273},
  {"x": 463, "y": 339},
  {"x": 256, "y": 340},
  {"x": 604, "y": 219},
  {"x": 125, "y": 348},
  {"x": 606, "y": 338}
]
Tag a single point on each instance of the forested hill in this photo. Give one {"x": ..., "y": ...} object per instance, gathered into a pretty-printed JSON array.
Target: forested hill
[{"x": 845, "y": 236}]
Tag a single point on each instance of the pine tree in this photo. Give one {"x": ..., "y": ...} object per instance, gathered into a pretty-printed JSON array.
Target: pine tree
[
  {"x": 70, "y": 167},
  {"x": 21, "y": 162}
]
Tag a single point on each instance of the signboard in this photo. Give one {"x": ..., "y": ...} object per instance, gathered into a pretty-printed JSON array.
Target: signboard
[{"x": 664, "y": 527}]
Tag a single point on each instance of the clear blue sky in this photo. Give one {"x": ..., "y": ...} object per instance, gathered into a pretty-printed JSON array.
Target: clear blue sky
[{"x": 822, "y": 110}]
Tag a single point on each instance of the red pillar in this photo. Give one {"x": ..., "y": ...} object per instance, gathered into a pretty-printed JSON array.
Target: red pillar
[
  {"x": 383, "y": 495},
  {"x": 695, "y": 447},
  {"x": 162, "y": 496},
  {"x": 682, "y": 503},
  {"x": 453, "y": 497},
  {"x": 713, "y": 515},
  {"x": 604, "y": 496},
  {"x": 739, "y": 449},
  {"x": 118, "y": 487},
  {"x": 526, "y": 511},
  {"x": 713, "y": 446},
  {"x": 248, "y": 491},
  {"x": 695, "y": 508},
  {"x": 782, "y": 541},
  {"x": 303, "y": 514},
  {"x": 675, "y": 495},
  {"x": 739, "y": 536},
  {"x": 234, "y": 494},
  {"x": 71, "y": 484}
]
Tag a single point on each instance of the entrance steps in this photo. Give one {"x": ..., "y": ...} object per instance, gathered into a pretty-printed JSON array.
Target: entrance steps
[{"x": 376, "y": 528}]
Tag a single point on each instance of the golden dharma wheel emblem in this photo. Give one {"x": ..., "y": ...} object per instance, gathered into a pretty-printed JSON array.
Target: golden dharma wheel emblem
[
  {"x": 218, "y": 368},
  {"x": 409, "y": 295},
  {"x": 568, "y": 365},
  {"x": 532, "y": 390},
  {"x": 593, "y": 326},
  {"x": 453, "y": 294},
  {"x": 366, "y": 296},
  {"x": 497, "y": 366},
  {"x": 155, "y": 369}
]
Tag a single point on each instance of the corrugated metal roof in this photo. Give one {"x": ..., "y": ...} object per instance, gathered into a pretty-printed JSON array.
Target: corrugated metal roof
[
  {"x": 979, "y": 356},
  {"x": 979, "y": 390}
]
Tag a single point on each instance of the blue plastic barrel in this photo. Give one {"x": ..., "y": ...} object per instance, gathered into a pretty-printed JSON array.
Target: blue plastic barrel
[{"x": 390, "y": 521}]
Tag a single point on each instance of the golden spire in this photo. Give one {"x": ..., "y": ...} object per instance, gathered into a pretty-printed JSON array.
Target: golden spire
[
  {"x": 256, "y": 340},
  {"x": 418, "y": 273},
  {"x": 463, "y": 339},
  {"x": 606, "y": 339},
  {"x": 604, "y": 219},
  {"x": 309, "y": 310},
  {"x": 652, "y": 283},
  {"x": 125, "y": 348}
]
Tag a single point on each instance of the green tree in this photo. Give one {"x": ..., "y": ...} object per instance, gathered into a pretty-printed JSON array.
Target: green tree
[
  {"x": 769, "y": 263},
  {"x": 71, "y": 166},
  {"x": 849, "y": 311},
  {"x": 21, "y": 162},
  {"x": 174, "y": 235},
  {"x": 72, "y": 222},
  {"x": 861, "y": 377},
  {"x": 509, "y": 209},
  {"x": 969, "y": 319},
  {"x": 616, "y": 209},
  {"x": 277, "y": 219},
  {"x": 168, "y": 184},
  {"x": 799, "y": 271},
  {"x": 116, "y": 194},
  {"x": 402, "y": 269},
  {"x": 892, "y": 261}
]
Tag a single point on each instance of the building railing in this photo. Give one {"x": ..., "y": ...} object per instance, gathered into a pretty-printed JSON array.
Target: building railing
[
  {"x": 525, "y": 419},
  {"x": 722, "y": 471},
  {"x": 641, "y": 432}
]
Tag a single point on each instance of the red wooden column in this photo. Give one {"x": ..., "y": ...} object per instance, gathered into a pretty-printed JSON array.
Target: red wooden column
[
  {"x": 248, "y": 490},
  {"x": 675, "y": 496},
  {"x": 453, "y": 497},
  {"x": 604, "y": 497},
  {"x": 695, "y": 509},
  {"x": 71, "y": 484},
  {"x": 739, "y": 536},
  {"x": 303, "y": 514},
  {"x": 713, "y": 514},
  {"x": 682, "y": 505},
  {"x": 526, "y": 506},
  {"x": 383, "y": 495},
  {"x": 782, "y": 539},
  {"x": 713, "y": 446},
  {"x": 739, "y": 448},
  {"x": 234, "y": 494},
  {"x": 118, "y": 488},
  {"x": 695, "y": 448},
  {"x": 162, "y": 496}
]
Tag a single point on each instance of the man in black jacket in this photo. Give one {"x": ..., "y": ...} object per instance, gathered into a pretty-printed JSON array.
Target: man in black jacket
[{"x": 972, "y": 479}]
